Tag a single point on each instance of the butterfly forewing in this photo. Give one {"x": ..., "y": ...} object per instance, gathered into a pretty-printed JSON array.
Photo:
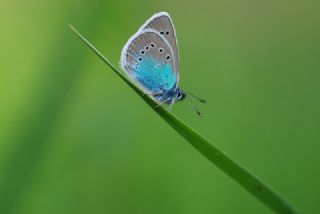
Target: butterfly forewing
[
  {"x": 162, "y": 23},
  {"x": 149, "y": 60}
]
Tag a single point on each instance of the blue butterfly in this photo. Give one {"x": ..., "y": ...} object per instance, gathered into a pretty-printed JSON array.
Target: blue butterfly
[{"x": 151, "y": 60}]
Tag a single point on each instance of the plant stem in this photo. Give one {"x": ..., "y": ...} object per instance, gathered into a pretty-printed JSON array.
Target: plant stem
[{"x": 247, "y": 180}]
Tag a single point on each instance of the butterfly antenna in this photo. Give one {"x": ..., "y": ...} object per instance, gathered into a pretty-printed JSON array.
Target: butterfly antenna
[
  {"x": 197, "y": 98},
  {"x": 195, "y": 109}
]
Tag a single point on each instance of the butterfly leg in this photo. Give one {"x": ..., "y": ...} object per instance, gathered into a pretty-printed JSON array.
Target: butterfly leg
[
  {"x": 170, "y": 106},
  {"x": 160, "y": 104}
]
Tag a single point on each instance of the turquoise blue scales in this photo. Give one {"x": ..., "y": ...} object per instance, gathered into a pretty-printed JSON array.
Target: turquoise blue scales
[
  {"x": 151, "y": 59},
  {"x": 161, "y": 77}
]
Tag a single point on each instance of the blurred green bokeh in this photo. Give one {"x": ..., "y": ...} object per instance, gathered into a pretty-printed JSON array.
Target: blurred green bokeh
[{"x": 75, "y": 139}]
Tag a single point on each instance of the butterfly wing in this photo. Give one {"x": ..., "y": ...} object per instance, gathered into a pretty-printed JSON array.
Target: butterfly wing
[
  {"x": 148, "y": 60},
  {"x": 162, "y": 23}
]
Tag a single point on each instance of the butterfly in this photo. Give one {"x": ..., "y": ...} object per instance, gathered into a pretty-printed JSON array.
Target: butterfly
[{"x": 151, "y": 59}]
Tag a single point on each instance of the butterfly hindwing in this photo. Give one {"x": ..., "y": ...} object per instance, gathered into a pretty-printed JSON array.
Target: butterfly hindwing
[{"x": 148, "y": 60}]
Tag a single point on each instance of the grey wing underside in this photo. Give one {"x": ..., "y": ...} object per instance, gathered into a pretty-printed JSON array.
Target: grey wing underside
[
  {"x": 145, "y": 43},
  {"x": 162, "y": 23}
]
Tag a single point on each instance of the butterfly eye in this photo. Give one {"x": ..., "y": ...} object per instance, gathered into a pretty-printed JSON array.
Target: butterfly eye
[{"x": 180, "y": 95}]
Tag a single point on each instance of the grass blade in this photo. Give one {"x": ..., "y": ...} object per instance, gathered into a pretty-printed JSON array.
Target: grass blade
[{"x": 238, "y": 173}]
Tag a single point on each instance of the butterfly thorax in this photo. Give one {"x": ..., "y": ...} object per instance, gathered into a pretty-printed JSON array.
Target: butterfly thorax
[{"x": 170, "y": 96}]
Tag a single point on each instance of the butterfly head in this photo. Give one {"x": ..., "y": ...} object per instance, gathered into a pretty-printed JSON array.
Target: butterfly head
[{"x": 180, "y": 95}]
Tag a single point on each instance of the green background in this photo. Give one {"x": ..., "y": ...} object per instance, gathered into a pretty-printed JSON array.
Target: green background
[{"x": 75, "y": 139}]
